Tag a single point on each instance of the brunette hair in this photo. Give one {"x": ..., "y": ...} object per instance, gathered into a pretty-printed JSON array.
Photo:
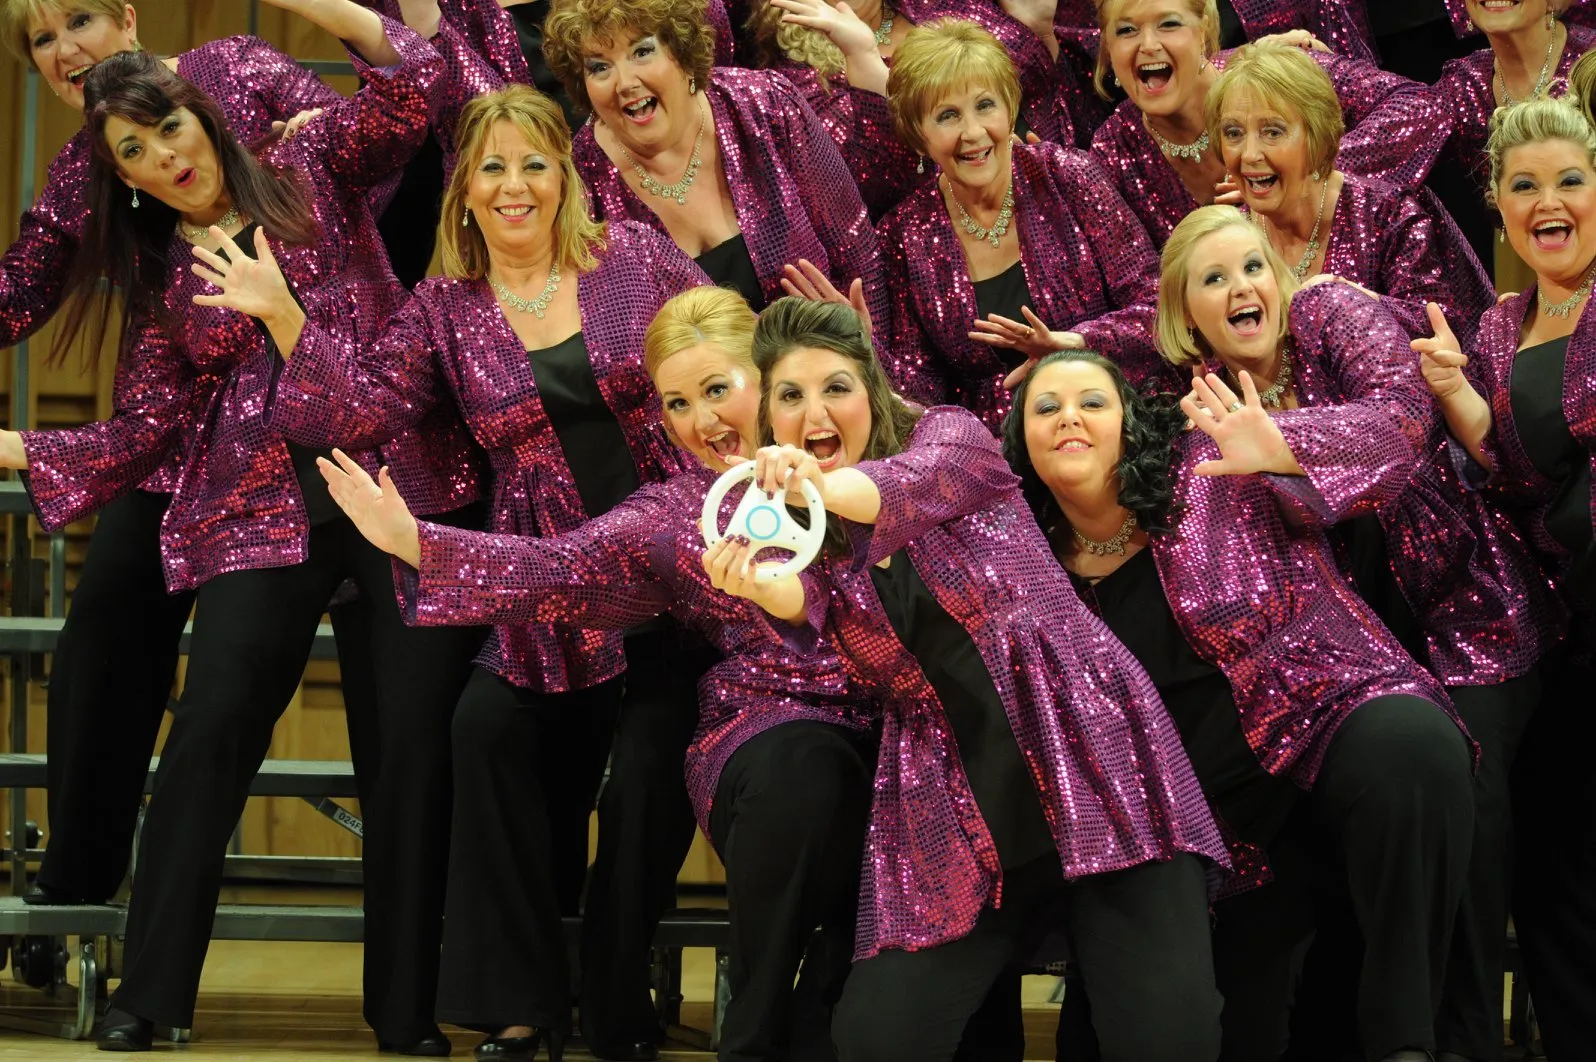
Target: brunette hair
[
  {"x": 14, "y": 16},
  {"x": 681, "y": 26},
  {"x": 577, "y": 237},
  {"x": 1147, "y": 438},
  {"x": 1207, "y": 12},
  {"x": 129, "y": 246},
  {"x": 1180, "y": 344},
  {"x": 939, "y": 57},
  {"x": 792, "y": 322},
  {"x": 1284, "y": 77},
  {"x": 706, "y": 314}
]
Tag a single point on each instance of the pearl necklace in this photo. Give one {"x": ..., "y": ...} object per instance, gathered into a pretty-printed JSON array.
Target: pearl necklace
[
  {"x": 1115, "y": 545},
  {"x": 1300, "y": 270},
  {"x": 227, "y": 219},
  {"x": 677, "y": 191},
  {"x": 1566, "y": 307},
  {"x": 999, "y": 227},
  {"x": 538, "y": 306},
  {"x": 884, "y": 32},
  {"x": 1540, "y": 82},
  {"x": 1193, "y": 150}
]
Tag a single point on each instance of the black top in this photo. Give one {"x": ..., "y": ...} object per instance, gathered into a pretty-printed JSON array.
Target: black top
[
  {"x": 1369, "y": 563},
  {"x": 1395, "y": 16},
  {"x": 319, "y": 505},
  {"x": 1004, "y": 294},
  {"x": 1536, "y": 391},
  {"x": 1132, "y": 604},
  {"x": 1232, "y": 34},
  {"x": 595, "y": 447},
  {"x": 988, "y": 751},
  {"x": 529, "y": 31},
  {"x": 729, "y": 266}
]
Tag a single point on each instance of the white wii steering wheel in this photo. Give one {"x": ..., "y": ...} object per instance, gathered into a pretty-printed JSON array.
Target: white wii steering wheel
[{"x": 766, "y": 522}]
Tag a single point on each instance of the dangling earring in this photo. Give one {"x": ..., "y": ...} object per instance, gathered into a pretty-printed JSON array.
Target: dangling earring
[
  {"x": 465, "y": 219},
  {"x": 1501, "y": 235},
  {"x": 1468, "y": 27},
  {"x": 1203, "y": 65},
  {"x": 919, "y": 167},
  {"x": 135, "y": 199},
  {"x": 1116, "y": 81},
  {"x": 692, "y": 86}
]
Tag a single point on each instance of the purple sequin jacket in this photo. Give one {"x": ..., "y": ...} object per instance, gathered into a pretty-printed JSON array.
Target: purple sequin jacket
[
  {"x": 1107, "y": 762},
  {"x": 1394, "y": 132},
  {"x": 640, "y": 559},
  {"x": 791, "y": 189},
  {"x": 1487, "y": 611},
  {"x": 237, "y": 503},
  {"x": 1248, "y": 568},
  {"x": 452, "y": 338},
  {"x": 1088, "y": 266},
  {"x": 1406, "y": 248}
]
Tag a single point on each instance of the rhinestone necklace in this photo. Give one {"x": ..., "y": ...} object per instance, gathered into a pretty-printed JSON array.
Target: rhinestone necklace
[
  {"x": 1193, "y": 150},
  {"x": 1566, "y": 307},
  {"x": 229, "y": 218},
  {"x": 1540, "y": 82},
  {"x": 884, "y": 33},
  {"x": 677, "y": 191},
  {"x": 999, "y": 227},
  {"x": 1115, "y": 545},
  {"x": 538, "y": 306},
  {"x": 1272, "y": 396},
  {"x": 1300, "y": 270}
]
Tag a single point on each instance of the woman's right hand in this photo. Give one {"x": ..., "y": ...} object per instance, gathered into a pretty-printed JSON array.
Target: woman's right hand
[
  {"x": 731, "y": 569},
  {"x": 806, "y": 281},
  {"x": 1441, "y": 357},
  {"x": 839, "y": 23},
  {"x": 12, "y": 452},
  {"x": 785, "y": 468},
  {"x": 373, "y": 506}
]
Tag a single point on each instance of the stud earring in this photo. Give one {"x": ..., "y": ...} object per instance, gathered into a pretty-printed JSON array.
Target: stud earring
[
  {"x": 465, "y": 219},
  {"x": 1314, "y": 176},
  {"x": 135, "y": 199},
  {"x": 919, "y": 167}
]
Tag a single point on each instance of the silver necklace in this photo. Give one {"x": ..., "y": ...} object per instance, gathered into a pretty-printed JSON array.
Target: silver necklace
[
  {"x": 229, "y": 218},
  {"x": 884, "y": 32},
  {"x": 999, "y": 227},
  {"x": 677, "y": 191},
  {"x": 1193, "y": 150},
  {"x": 1272, "y": 396},
  {"x": 1540, "y": 82},
  {"x": 1300, "y": 270},
  {"x": 1566, "y": 307},
  {"x": 1115, "y": 545},
  {"x": 538, "y": 306}
]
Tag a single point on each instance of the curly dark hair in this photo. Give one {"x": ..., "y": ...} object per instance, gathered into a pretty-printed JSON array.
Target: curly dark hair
[{"x": 1147, "y": 438}]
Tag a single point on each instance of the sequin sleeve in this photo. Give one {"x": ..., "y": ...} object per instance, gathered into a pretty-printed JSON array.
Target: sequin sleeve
[
  {"x": 1395, "y": 127},
  {"x": 74, "y": 471},
  {"x": 34, "y": 271},
  {"x": 952, "y": 467},
  {"x": 466, "y": 75},
  {"x": 903, "y": 348},
  {"x": 1357, "y": 455},
  {"x": 283, "y": 86},
  {"x": 1425, "y": 259}
]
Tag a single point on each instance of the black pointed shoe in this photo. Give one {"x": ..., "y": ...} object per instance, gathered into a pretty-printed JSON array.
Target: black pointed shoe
[
  {"x": 42, "y": 895},
  {"x": 432, "y": 1045},
  {"x": 121, "y": 1031},
  {"x": 510, "y": 1048}
]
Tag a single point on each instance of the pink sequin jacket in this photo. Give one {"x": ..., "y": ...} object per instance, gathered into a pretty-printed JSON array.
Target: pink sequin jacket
[
  {"x": 1487, "y": 611},
  {"x": 1394, "y": 131},
  {"x": 791, "y": 189},
  {"x": 452, "y": 339},
  {"x": 640, "y": 559},
  {"x": 1088, "y": 266},
  {"x": 1107, "y": 762},
  {"x": 237, "y": 503},
  {"x": 1249, "y": 571},
  {"x": 1343, "y": 25}
]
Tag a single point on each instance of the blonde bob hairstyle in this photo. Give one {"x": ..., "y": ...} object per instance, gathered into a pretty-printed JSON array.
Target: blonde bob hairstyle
[
  {"x": 1582, "y": 85},
  {"x": 1207, "y": 11},
  {"x": 1535, "y": 122},
  {"x": 1180, "y": 344},
  {"x": 939, "y": 58},
  {"x": 15, "y": 14},
  {"x": 1287, "y": 80},
  {"x": 577, "y": 237},
  {"x": 717, "y": 316},
  {"x": 681, "y": 26}
]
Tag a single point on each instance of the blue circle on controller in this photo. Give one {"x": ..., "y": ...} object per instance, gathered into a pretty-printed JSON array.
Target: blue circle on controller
[{"x": 762, "y": 516}]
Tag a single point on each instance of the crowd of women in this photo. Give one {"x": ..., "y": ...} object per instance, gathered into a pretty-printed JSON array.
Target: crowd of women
[{"x": 1207, "y": 577}]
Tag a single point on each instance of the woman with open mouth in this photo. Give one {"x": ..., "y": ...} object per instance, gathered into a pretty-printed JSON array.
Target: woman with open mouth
[
  {"x": 1299, "y": 710},
  {"x": 730, "y": 164},
  {"x": 1004, "y": 239},
  {"x": 1028, "y": 774},
  {"x": 1519, "y": 404},
  {"x": 173, "y": 200},
  {"x": 114, "y": 664},
  {"x": 1157, "y": 147}
]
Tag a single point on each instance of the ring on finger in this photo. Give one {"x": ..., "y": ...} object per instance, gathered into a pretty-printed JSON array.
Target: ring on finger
[{"x": 1234, "y": 407}]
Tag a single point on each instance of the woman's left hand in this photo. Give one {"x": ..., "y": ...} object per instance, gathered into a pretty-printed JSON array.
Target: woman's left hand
[
  {"x": 1030, "y": 337},
  {"x": 286, "y": 131},
  {"x": 1228, "y": 192},
  {"x": 12, "y": 453},
  {"x": 806, "y": 281},
  {"x": 730, "y": 566},
  {"x": 249, "y": 285},
  {"x": 374, "y": 506},
  {"x": 1248, "y": 438},
  {"x": 1297, "y": 38},
  {"x": 785, "y": 467}
]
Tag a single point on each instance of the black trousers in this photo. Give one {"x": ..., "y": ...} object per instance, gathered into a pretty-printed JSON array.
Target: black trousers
[
  {"x": 789, "y": 821},
  {"x": 1554, "y": 895},
  {"x": 1388, "y": 832},
  {"x": 645, "y": 828},
  {"x": 1140, "y": 937},
  {"x": 252, "y": 635},
  {"x": 110, "y": 679},
  {"x": 1470, "y": 1019}
]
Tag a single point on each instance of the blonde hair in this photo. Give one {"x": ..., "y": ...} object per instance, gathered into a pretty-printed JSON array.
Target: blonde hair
[
  {"x": 577, "y": 237},
  {"x": 943, "y": 56},
  {"x": 1179, "y": 343},
  {"x": 14, "y": 16},
  {"x": 1284, "y": 77},
  {"x": 681, "y": 25},
  {"x": 1535, "y": 121},
  {"x": 1108, "y": 11},
  {"x": 1582, "y": 85},
  {"x": 775, "y": 40},
  {"x": 717, "y": 316}
]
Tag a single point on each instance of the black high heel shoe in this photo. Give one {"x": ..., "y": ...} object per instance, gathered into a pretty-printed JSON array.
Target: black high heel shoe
[
  {"x": 521, "y": 1048},
  {"x": 121, "y": 1031},
  {"x": 432, "y": 1045}
]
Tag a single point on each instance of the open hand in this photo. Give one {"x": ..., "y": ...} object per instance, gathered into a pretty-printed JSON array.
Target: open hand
[
  {"x": 845, "y": 29},
  {"x": 806, "y": 281},
  {"x": 249, "y": 285},
  {"x": 1248, "y": 438},
  {"x": 373, "y": 506}
]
